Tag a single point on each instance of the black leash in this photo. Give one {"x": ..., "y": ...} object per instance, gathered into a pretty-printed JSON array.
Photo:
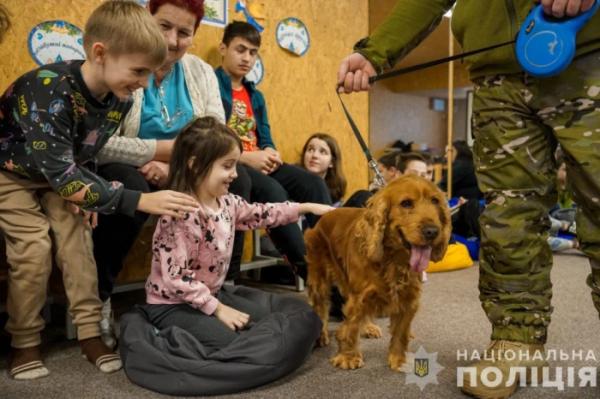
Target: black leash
[
  {"x": 372, "y": 163},
  {"x": 397, "y": 72},
  {"x": 429, "y": 64}
]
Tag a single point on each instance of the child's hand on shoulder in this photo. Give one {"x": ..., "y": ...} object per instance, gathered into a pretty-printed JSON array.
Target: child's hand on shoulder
[
  {"x": 167, "y": 202},
  {"x": 315, "y": 209},
  {"x": 232, "y": 318}
]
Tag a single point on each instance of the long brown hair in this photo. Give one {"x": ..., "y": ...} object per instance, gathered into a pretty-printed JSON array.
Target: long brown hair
[
  {"x": 335, "y": 179},
  {"x": 195, "y": 151}
]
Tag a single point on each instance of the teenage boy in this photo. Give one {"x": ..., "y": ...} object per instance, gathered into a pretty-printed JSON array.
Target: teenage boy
[
  {"x": 246, "y": 113},
  {"x": 53, "y": 121}
]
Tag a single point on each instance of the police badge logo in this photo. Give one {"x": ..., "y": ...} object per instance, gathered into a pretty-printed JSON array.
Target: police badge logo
[
  {"x": 421, "y": 367},
  {"x": 424, "y": 370}
]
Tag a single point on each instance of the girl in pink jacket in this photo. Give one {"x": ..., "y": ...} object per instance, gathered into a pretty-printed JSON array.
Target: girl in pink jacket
[{"x": 191, "y": 252}]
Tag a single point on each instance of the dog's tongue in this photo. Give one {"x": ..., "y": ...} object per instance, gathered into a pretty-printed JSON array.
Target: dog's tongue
[{"x": 419, "y": 258}]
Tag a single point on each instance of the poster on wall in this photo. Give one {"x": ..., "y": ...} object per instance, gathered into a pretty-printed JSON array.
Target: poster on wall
[
  {"x": 257, "y": 72},
  {"x": 55, "y": 41},
  {"x": 292, "y": 35},
  {"x": 215, "y": 13}
]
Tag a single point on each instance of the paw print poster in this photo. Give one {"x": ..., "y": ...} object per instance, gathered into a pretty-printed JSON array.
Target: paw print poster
[{"x": 55, "y": 41}]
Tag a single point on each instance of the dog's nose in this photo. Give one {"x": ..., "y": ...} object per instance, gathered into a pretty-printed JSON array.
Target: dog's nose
[{"x": 430, "y": 232}]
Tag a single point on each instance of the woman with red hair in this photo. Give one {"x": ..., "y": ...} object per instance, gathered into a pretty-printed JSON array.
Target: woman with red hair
[{"x": 184, "y": 88}]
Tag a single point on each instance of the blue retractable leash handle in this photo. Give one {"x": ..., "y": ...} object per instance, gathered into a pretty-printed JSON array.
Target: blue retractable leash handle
[{"x": 545, "y": 46}]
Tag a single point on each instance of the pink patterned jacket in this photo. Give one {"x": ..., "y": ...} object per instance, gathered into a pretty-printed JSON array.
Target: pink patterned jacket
[{"x": 191, "y": 255}]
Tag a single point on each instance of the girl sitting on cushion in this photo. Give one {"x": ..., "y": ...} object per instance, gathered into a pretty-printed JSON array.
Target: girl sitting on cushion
[{"x": 191, "y": 255}]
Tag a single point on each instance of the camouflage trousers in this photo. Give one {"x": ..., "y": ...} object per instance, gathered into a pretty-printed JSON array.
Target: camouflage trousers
[{"x": 517, "y": 122}]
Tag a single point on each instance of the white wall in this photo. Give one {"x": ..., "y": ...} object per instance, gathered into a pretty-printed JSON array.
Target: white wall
[{"x": 407, "y": 116}]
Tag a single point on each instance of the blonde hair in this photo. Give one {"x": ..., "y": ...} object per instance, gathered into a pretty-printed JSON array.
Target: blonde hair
[{"x": 125, "y": 27}]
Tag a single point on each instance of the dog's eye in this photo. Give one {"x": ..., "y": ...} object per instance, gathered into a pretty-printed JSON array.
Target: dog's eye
[
  {"x": 406, "y": 204},
  {"x": 435, "y": 201}
]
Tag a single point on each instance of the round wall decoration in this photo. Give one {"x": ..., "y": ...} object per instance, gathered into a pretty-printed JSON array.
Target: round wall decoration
[
  {"x": 54, "y": 41},
  {"x": 257, "y": 72},
  {"x": 292, "y": 35}
]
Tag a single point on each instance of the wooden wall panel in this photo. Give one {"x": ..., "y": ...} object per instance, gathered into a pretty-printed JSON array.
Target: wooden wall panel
[{"x": 299, "y": 90}]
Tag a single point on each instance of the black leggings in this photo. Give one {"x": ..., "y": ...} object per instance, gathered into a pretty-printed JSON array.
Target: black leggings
[{"x": 207, "y": 329}]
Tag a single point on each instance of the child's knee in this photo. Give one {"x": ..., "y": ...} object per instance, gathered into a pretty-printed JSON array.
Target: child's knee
[{"x": 35, "y": 249}]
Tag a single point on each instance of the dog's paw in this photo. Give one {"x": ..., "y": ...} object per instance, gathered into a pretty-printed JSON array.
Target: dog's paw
[
  {"x": 323, "y": 339},
  {"x": 347, "y": 362},
  {"x": 371, "y": 330},
  {"x": 403, "y": 364}
]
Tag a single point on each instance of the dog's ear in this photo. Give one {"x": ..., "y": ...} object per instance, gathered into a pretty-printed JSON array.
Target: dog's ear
[
  {"x": 371, "y": 228},
  {"x": 438, "y": 251}
]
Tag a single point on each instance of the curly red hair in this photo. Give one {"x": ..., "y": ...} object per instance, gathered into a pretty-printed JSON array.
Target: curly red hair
[{"x": 196, "y": 7}]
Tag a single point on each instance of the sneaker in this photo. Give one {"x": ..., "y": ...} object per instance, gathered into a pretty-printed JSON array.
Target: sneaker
[
  {"x": 504, "y": 356},
  {"x": 573, "y": 228},
  {"x": 107, "y": 333}
]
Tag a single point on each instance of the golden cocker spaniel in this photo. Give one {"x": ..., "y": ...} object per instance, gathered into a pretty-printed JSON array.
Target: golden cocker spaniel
[{"x": 375, "y": 256}]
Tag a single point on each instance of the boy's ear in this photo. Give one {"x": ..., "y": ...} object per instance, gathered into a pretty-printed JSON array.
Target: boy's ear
[
  {"x": 395, "y": 172},
  {"x": 98, "y": 52},
  {"x": 222, "y": 49}
]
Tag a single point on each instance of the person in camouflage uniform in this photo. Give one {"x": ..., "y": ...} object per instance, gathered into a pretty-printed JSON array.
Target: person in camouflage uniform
[{"x": 517, "y": 122}]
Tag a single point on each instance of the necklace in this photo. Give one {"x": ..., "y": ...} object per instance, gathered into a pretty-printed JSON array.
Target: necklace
[{"x": 164, "y": 111}]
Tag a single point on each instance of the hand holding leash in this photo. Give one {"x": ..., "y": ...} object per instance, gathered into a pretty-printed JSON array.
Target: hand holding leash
[
  {"x": 545, "y": 46},
  {"x": 354, "y": 74},
  {"x": 568, "y": 8}
]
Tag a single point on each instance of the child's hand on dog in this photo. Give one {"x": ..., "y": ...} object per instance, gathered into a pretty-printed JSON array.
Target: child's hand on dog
[{"x": 315, "y": 209}]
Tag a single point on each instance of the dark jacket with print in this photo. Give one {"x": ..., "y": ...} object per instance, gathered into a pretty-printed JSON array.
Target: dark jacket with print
[{"x": 51, "y": 129}]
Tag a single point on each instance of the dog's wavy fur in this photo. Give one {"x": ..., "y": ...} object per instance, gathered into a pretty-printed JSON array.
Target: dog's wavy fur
[{"x": 366, "y": 253}]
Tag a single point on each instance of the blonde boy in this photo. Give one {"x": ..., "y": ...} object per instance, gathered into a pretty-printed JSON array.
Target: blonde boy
[{"x": 53, "y": 122}]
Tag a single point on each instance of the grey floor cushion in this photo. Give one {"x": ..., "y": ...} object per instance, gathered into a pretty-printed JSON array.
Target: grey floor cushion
[{"x": 173, "y": 362}]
